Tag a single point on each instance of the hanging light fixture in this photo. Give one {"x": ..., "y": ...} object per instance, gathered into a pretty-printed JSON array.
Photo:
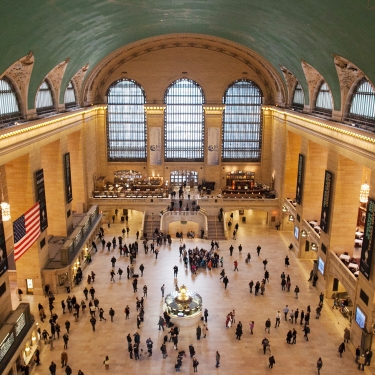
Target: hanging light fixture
[
  {"x": 303, "y": 233},
  {"x": 365, "y": 190},
  {"x": 5, "y": 207}
]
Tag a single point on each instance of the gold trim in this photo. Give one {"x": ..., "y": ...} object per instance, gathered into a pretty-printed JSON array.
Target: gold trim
[{"x": 322, "y": 124}]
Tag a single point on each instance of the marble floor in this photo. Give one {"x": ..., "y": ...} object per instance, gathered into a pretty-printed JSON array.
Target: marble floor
[{"x": 87, "y": 349}]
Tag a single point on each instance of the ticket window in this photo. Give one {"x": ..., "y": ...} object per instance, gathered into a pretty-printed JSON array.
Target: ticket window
[{"x": 29, "y": 286}]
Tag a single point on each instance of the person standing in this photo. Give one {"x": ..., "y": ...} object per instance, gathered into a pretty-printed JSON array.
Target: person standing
[
  {"x": 357, "y": 353},
  {"x": 217, "y": 359},
  {"x": 268, "y": 325},
  {"x": 93, "y": 322},
  {"x": 161, "y": 323},
  {"x": 68, "y": 370},
  {"x": 319, "y": 365},
  {"x": 265, "y": 343},
  {"x": 162, "y": 291},
  {"x": 251, "y": 326},
  {"x": 239, "y": 331},
  {"x": 195, "y": 364},
  {"x": 175, "y": 271},
  {"x": 346, "y": 335},
  {"x": 278, "y": 318},
  {"x": 145, "y": 291},
  {"x": 142, "y": 268},
  {"x": 66, "y": 339},
  {"x": 205, "y": 315},
  {"x": 111, "y": 313},
  {"x": 251, "y": 284},
  {"x": 307, "y": 331},
  {"x": 106, "y": 363},
  {"x": 294, "y": 336},
  {"x": 285, "y": 311},
  {"x": 265, "y": 263},
  {"x": 199, "y": 332},
  {"x": 271, "y": 361},
  {"x": 361, "y": 362},
  {"x": 112, "y": 273}
]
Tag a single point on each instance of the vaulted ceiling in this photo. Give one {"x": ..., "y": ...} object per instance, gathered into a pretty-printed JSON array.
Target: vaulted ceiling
[{"x": 283, "y": 32}]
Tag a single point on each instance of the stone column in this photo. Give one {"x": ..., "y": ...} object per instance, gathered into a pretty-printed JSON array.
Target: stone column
[{"x": 59, "y": 224}]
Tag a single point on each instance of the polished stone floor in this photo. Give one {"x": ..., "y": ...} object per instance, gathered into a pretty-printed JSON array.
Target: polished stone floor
[{"x": 87, "y": 349}]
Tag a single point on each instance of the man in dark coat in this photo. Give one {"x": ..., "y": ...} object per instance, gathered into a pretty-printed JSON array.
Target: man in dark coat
[{"x": 199, "y": 332}]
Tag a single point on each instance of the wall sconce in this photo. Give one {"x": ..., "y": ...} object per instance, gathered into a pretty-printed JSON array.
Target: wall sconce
[
  {"x": 291, "y": 218},
  {"x": 365, "y": 190},
  {"x": 77, "y": 263},
  {"x": 27, "y": 350},
  {"x": 284, "y": 209},
  {"x": 303, "y": 233},
  {"x": 314, "y": 246},
  {"x": 33, "y": 340}
]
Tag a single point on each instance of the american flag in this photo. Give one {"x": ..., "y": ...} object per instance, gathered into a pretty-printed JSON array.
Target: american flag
[{"x": 26, "y": 230}]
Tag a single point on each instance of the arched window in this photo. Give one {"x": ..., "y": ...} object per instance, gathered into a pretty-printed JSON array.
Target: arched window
[
  {"x": 323, "y": 103},
  {"x": 70, "y": 96},
  {"x": 242, "y": 122},
  {"x": 298, "y": 98},
  {"x": 126, "y": 122},
  {"x": 9, "y": 107},
  {"x": 362, "y": 106},
  {"x": 184, "y": 122},
  {"x": 44, "y": 99}
]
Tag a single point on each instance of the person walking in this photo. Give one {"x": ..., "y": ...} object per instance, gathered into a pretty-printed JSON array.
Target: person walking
[
  {"x": 175, "y": 271},
  {"x": 120, "y": 272},
  {"x": 285, "y": 311},
  {"x": 145, "y": 291},
  {"x": 341, "y": 348},
  {"x": 265, "y": 343},
  {"x": 278, "y": 318},
  {"x": 251, "y": 284},
  {"x": 64, "y": 359},
  {"x": 162, "y": 291},
  {"x": 319, "y": 365},
  {"x": 106, "y": 363},
  {"x": 225, "y": 281},
  {"x": 296, "y": 291},
  {"x": 307, "y": 331},
  {"x": 101, "y": 315},
  {"x": 217, "y": 359},
  {"x": 205, "y": 315},
  {"x": 271, "y": 361},
  {"x": 239, "y": 331},
  {"x": 268, "y": 325},
  {"x": 52, "y": 368},
  {"x": 66, "y": 339},
  {"x": 235, "y": 265},
  {"x": 265, "y": 263},
  {"x": 68, "y": 370},
  {"x": 294, "y": 336},
  {"x": 142, "y": 268},
  {"x": 112, "y": 273},
  {"x": 161, "y": 323},
  {"x": 93, "y": 322}
]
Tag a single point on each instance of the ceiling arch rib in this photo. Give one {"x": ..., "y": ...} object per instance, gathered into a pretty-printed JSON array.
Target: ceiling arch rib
[{"x": 97, "y": 81}]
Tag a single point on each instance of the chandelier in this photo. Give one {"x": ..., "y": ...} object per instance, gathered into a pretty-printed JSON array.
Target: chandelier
[
  {"x": 5, "y": 207},
  {"x": 363, "y": 195}
]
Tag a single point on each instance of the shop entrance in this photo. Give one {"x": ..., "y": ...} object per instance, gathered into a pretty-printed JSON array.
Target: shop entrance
[{"x": 29, "y": 286}]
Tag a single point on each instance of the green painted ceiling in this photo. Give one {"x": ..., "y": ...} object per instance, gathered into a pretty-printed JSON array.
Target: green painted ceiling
[{"x": 283, "y": 31}]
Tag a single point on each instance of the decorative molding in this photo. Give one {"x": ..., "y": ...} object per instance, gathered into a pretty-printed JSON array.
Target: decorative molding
[
  {"x": 213, "y": 110},
  {"x": 313, "y": 77},
  {"x": 20, "y": 74},
  {"x": 274, "y": 86},
  {"x": 78, "y": 81},
  {"x": 152, "y": 109},
  {"x": 291, "y": 82},
  {"x": 55, "y": 77}
]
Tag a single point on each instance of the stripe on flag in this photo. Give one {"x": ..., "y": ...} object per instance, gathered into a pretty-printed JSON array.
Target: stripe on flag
[{"x": 26, "y": 230}]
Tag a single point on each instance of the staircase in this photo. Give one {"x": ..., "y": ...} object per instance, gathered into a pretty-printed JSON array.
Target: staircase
[
  {"x": 151, "y": 222},
  {"x": 215, "y": 229}
]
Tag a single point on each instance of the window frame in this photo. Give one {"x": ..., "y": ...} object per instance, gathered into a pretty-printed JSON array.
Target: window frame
[
  {"x": 71, "y": 104},
  {"x": 177, "y": 115},
  {"x": 321, "y": 110},
  {"x": 127, "y": 142},
  {"x": 10, "y": 116},
  {"x": 295, "y": 105},
  {"x": 45, "y": 109},
  {"x": 258, "y": 139}
]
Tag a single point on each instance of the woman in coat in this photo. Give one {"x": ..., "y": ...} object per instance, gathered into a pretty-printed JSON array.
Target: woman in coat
[
  {"x": 199, "y": 332},
  {"x": 289, "y": 336},
  {"x": 239, "y": 331}
]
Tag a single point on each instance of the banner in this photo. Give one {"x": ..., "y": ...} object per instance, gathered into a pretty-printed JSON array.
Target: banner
[
  {"x": 155, "y": 145},
  {"x": 213, "y": 142},
  {"x": 299, "y": 188},
  {"x": 326, "y": 202},
  {"x": 68, "y": 178},
  {"x": 3, "y": 250},
  {"x": 41, "y": 197},
  {"x": 368, "y": 240}
]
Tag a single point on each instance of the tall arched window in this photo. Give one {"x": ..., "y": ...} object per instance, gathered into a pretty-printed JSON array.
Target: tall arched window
[
  {"x": 126, "y": 122},
  {"x": 242, "y": 122},
  {"x": 323, "y": 103},
  {"x": 184, "y": 122},
  {"x": 298, "y": 97},
  {"x": 44, "y": 99},
  {"x": 362, "y": 106},
  {"x": 9, "y": 107},
  {"x": 70, "y": 96}
]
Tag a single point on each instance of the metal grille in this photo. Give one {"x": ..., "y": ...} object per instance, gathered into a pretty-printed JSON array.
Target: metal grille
[
  {"x": 242, "y": 122},
  {"x": 70, "y": 96},
  {"x": 9, "y": 108},
  {"x": 179, "y": 177},
  {"x": 298, "y": 97},
  {"x": 323, "y": 100},
  {"x": 362, "y": 106},
  {"x": 126, "y": 122},
  {"x": 44, "y": 99},
  {"x": 184, "y": 122}
]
